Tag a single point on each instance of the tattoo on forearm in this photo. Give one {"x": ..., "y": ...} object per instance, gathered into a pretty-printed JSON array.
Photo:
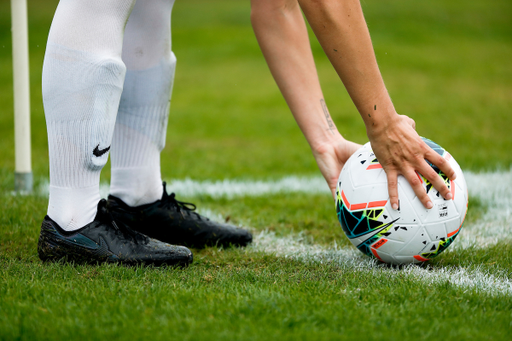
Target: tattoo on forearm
[{"x": 330, "y": 123}]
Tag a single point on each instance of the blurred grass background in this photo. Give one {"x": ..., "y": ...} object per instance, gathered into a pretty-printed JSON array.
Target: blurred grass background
[{"x": 446, "y": 64}]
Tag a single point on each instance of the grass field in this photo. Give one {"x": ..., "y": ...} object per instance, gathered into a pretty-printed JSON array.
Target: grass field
[{"x": 233, "y": 149}]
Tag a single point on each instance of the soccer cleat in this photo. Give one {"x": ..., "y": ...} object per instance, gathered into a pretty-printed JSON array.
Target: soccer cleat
[
  {"x": 175, "y": 222},
  {"x": 105, "y": 240}
]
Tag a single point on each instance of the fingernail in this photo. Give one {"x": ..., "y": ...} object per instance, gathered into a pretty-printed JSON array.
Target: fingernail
[
  {"x": 395, "y": 206},
  {"x": 449, "y": 196},
  {"x": 430, "y": 205}
]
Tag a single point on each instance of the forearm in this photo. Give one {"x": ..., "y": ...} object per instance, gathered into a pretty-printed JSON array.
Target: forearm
[
  {"x": 283, "y": 38},
  {"x": 341, "y": 30}
]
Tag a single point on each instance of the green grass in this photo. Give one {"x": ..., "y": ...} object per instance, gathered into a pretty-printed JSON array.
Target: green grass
[
  {"x": 234, "y": 296},
  {"x": 446, "y": 64}
]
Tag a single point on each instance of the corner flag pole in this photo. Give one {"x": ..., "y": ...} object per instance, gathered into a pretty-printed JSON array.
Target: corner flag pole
[{"x": 23, "y": 180}]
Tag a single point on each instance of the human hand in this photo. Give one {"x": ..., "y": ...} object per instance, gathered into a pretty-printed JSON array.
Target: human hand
[
  {"x": 331, "y": 157},
  {"x": 401, "y": 151}
]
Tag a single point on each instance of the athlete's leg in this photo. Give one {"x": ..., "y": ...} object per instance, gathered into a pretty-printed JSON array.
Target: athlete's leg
[
  {"x": 137, "y": 196},
  {"x": 141, "y": 125},
  {"x": 83, "y": 78}
]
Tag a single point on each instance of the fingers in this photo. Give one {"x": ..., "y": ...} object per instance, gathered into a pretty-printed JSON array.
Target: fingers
[
  {"x": 392, "y": 177},
  {"x": 434, "y": 178},
  {"x": 401, "y": 151},
  {"x": 441, "y": 163},
  {"x": 331, "y": 157},
  {"x": 417, "y": 184},
  {"x": 333, "y": 191}
]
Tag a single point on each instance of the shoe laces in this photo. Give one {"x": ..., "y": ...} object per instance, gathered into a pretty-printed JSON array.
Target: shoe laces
[
  {"x": 119, "y": 227},
  {"x": 170, "y": 201}
]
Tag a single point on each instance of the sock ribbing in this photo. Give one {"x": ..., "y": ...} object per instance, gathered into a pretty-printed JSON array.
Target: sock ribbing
[
  {"x": 140, "y": 133},
  {"x": 141, "y": 124}
]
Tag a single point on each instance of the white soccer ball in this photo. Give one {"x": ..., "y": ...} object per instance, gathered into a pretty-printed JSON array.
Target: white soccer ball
[{"x": 411, "y": 234}]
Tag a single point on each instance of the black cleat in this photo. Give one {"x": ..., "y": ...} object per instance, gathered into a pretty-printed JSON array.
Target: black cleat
[
  {"x": 104, "y": 240},
  {"x": 175, "y": 222}
]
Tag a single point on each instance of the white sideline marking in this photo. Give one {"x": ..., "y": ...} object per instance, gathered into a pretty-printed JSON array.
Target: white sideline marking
[
  {"x": 495, "y": 192},
  {"x": 238, "y": 188},
  {"x": 494, "y": 189},
  {"x": 351, "y": 259},
  {"x": 232, "y": 188}
]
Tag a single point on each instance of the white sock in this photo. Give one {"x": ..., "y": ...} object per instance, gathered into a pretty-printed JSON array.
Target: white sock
[
  {"x": 83, "y": 77},
  {"x": 141, "y": 125}
]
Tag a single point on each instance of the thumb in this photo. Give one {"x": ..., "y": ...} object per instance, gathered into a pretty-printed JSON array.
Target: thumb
[{"x": 333, "y": 190}]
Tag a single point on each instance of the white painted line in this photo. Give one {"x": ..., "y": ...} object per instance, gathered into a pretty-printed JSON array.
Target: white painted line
[
  {"x": 493, "y": 189},
  {"x": 495, "y": 192},
  {"x": 238, "y": 188},
  {"x": 232, "y": 188},
  {"x": 351, "y": 259}
]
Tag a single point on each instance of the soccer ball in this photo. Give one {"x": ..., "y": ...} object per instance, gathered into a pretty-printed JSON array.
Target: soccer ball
[{"x": 411, "y": 234}]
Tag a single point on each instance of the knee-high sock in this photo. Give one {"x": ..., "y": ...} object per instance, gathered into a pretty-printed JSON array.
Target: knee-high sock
[
  {"x": 83, "y": 76},
  {"x": 141, "y": 125}
]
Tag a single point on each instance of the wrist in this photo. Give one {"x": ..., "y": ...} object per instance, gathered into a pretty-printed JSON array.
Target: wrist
[
  {"x": 317, "y": 126},
  {"x": 378, "y": 123},
  {"x": 377, "y": 111},
  {"x": 323, "y": 144}
]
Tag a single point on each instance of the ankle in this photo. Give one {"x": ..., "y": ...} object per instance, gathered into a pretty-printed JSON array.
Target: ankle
[
  {"x": 73, "y": 208},
  {"x": 136, "y": 186}
]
